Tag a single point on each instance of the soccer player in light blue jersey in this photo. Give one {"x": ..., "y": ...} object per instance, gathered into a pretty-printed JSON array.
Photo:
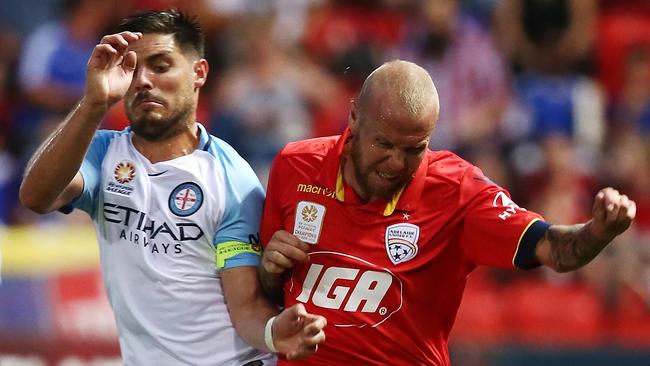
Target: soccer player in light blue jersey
[{"x": 176, "y": 210}]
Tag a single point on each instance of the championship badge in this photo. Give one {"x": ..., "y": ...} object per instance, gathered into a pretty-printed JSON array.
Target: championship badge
[{"x": 309, "y": 221}]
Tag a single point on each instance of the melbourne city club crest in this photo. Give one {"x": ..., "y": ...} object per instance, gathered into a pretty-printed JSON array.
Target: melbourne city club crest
[
  {"x": 186, "y": 199},
  {"x": 402, "y": 242}
]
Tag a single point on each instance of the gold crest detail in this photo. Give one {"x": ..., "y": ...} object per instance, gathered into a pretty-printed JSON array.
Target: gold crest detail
[{"x": 309, "y": 213}]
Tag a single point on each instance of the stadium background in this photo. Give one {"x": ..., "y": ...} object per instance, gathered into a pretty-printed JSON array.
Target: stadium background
[{"x": 550, "y": 98}]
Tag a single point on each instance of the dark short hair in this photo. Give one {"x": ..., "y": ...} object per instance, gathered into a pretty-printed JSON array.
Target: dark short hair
[{"x": 185, "y": 28}]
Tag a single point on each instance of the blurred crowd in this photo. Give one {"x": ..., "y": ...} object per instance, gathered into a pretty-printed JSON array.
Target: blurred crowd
[{"x": 551, "y": 98}]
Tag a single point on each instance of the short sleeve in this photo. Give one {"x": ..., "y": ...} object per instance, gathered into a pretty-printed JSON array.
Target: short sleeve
[
  {"x": 91, "y": 172},
  {"x": 496, "y": 231},
  {"x": 237, "y": 237}
]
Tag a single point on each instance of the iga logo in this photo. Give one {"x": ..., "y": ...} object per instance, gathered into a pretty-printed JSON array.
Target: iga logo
[
  {"x": 502, "y": 200},
  {"x": 355, "y": 297},
  {"x": 186, "y": 199},
  {"x": 124, "y": 172}
]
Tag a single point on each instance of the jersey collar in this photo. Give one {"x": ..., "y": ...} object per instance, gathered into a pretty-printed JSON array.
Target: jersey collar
[
  {"x": 205, "y": 140},
  {"x": 404, "y": 200}
]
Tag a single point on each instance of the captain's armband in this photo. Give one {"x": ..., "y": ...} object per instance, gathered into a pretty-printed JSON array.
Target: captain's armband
[{"x": 245, "y": 253}]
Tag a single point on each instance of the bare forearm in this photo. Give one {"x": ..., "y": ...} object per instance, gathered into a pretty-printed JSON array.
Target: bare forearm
[
  {"x": 250, "y": 319},
  {"x": 272, "y": 285},
  {"x": 248, "y": 308},
  {"x": 58, "y": 159},
  {"x": 572, "y": 246}
]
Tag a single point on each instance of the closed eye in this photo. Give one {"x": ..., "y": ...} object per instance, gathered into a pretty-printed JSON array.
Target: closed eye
[
  {"x": 416, "y": 150},
  {"x": 161, "y": 68}
]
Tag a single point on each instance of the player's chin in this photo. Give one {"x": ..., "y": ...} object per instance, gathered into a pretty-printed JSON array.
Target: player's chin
[{"x": 383, "y": 187}]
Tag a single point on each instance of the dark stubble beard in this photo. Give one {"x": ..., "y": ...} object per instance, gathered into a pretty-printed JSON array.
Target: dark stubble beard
[{"x": 153, "y": 129}]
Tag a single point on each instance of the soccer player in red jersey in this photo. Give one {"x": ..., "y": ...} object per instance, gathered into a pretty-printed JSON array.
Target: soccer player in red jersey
[{"x": 378, "y": 233}]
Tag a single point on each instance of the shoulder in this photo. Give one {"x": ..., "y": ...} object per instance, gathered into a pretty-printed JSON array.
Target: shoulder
[
  {"x": 310, "y": 152},
  {"x": 447, "y": 166},
  {"x": 233, "y": 164},
  {"x": 314, "y": 146},
  {"x": 223, "y": 152},
  {"x": 458, "y": 180},
  {"x": 103, "y": 138}
]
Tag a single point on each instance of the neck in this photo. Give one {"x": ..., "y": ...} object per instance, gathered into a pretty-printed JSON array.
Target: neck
[
  {"x": 181, "y": 144},
  {"x": 347, "y": 169}
]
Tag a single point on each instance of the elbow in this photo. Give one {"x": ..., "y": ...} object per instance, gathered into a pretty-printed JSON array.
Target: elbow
[
  {"x": 562, "y": 269},
  {"x": 31, "y": 201},
  {"x": 566, "y": 267}
]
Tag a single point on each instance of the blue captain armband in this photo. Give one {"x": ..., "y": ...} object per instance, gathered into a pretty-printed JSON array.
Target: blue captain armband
[{"x": 231, "y": 254}]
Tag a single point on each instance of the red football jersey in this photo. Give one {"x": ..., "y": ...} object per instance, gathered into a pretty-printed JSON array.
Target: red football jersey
[{"x": 389, "y": 275}]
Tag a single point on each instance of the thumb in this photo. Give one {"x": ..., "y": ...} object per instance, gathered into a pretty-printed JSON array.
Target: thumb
[
  {"x": 129, "y": 62},
  {"x": 599, "y": 210},
  {"x": 290, "y": 320},
  {"x": 298, "y": 311}
]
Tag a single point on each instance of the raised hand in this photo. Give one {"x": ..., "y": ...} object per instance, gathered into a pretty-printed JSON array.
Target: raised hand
[
  {"x": 110, "y": 69},
  {"x": 568, "y": 247},
  {"x": 296, "y": 333},
  {"x": 612, "y": 214}
]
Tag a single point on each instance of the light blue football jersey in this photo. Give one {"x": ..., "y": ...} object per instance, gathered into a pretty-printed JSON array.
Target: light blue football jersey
[{"x": 165, "y": 231}]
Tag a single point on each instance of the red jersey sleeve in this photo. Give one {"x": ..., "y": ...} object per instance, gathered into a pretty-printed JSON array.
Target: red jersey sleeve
[
  {"x": 272, "y": 217},
  {"x": 496, "y": 231}
]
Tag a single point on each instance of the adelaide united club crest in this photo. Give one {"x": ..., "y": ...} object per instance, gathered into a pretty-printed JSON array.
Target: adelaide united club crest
[{"x": 402, "y": 242}]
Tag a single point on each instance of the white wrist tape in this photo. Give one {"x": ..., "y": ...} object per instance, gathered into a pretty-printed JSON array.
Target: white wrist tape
[{"x": 268, "y": 335}]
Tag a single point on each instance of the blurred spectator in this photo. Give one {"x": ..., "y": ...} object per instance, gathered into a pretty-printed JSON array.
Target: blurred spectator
[
  {"x": 266, "y": 98},
  {"x": 51, "y": 73},
  {"x": 547, "y": 36},
  {"x": 549, "y": 44},
  {"x": 23, "y": 16},
  {"x": 52, "y": 65},
  {"x": 631, "y": 105},
  {"x": 350, "y": 38},
  {"x": 467, "y": 69},
  {"x": 622, "y": 25}
]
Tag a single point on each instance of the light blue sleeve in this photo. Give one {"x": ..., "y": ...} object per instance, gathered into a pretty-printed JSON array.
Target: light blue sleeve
[
  {"x": 91, "y": 172},
  {"x": 243, "y": 210}
]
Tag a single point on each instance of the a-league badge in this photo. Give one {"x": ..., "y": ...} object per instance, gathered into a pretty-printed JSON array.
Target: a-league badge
[
  {"x": 309, "y": 221},
  {"x": 186, "y": 199},
  {"x": 124, "y": 172},
  {"x": 402, "y": 242}
]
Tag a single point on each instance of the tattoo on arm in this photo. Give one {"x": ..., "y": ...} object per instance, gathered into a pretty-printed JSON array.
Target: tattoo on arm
[{"x": 573, "y": 246}]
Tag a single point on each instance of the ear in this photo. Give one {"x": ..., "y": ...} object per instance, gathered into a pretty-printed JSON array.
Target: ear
[
  {"x": 353, "y": 118},
  {"x": 200, "y": 72}
]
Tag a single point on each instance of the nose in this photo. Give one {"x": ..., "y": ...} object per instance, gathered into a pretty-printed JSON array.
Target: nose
[
  {"x": 142, "y": 79},
  {"x": 396, "y": 160}
]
